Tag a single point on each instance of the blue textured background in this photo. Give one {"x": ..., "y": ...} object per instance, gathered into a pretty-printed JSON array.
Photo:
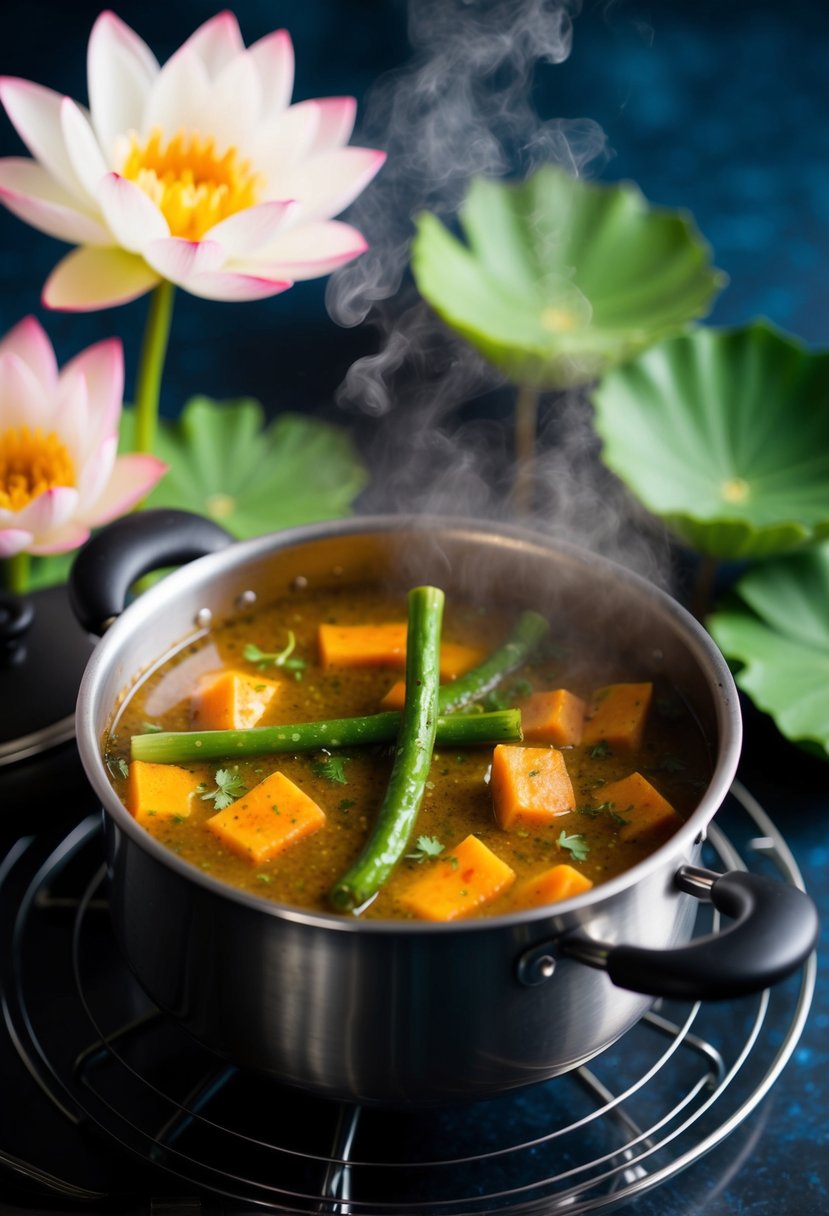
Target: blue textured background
[{"x": 721, "y": 108}]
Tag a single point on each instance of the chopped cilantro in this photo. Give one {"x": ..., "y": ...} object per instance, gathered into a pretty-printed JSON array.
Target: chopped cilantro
[
  {"x": 229, "y": 787},
  {"x": 332, "y": 768},
  {"x": 276, "y": 658},
  {"x": 345, "y": 804},
  {"x": 577, "y": 845},
  {"x": 599, "y": 750},
  {"x": 118, "y": 767},
  {"x": 151, "y": 728},
  {"x": 427, "y": 846}
]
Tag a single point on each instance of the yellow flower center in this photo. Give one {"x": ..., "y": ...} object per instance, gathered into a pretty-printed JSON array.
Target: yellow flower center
[
  {"x": 735, "y": 490},
  {"x": 31, "y": 462},
  {"x": 191, "y": 184}
]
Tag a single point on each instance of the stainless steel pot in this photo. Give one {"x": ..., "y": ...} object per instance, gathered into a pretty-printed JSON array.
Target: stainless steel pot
[{"x": 395, "y": 1013}]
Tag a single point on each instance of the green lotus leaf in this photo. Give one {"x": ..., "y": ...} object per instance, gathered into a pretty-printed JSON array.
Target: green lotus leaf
[
  {"x": 561, "y": 279},
  {"x": 226, "y": 464},
  {"x": 777, "y": 628},
  {"x": 725, "y": 436}
]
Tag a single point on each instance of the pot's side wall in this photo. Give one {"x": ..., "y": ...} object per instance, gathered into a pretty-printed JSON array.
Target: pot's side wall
[{"x": 389, "y": 1017}]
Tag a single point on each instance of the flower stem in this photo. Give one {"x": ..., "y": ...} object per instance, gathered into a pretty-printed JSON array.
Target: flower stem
[
  {"x": 151, "y": 366},
  {"x": 16, "y": 572},
  {"x": 526, "y": 423},
  {"x": 703, "y": 589}
]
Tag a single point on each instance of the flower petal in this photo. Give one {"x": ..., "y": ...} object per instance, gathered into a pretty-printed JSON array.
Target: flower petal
[
  {"x": 336, "y": 122},
  {"x": 29, "y": 341},
  {"x": 33, "y": 196},
  {"x": 94, "y": 474},
  {"x": 50, "y": 510},
  {"x": 216, "y": 42},
  {"x": 179, "y": 94},
  {"x": 101, "y": 369},
  {"x": 309, "y": 251},
  {"x": 132, "y": 216},
  {"x": 14, "y": 540},
  {"x": 120, "y": 71},
  {"x": 82, "y": 146},
  {"x": 327, "y": 184},
  {"x": 61, "y": 540},
  {"x": 246, "y": 232},
  {"x": 133, "y": 477},
  {"x": 273, "y": 59},
  {"x": 23, "y": 399},
  {"x": 235, "y": 285},
  {"x": 179, "y": 260},
  {"x": 233, "y": 104},
  {"x": 35, "y": 113},
  {"x": 276, "y": 146},
  {"x": 87, "y": 279}
]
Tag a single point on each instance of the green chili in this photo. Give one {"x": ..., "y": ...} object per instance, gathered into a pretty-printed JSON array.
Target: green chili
[
  {"x": 530, "y": 630},
  {"x": 389, "y": 837}
]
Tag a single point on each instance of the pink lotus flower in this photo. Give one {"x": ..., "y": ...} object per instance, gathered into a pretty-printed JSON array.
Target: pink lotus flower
[
  {"x": 198, "y": 172},
  {"x": 59, "y": 472}
]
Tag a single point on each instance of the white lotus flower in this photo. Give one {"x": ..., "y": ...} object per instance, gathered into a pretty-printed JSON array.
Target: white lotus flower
[
  {"x": 59, "y": 472},
  {"x": 198, "y": 172}
]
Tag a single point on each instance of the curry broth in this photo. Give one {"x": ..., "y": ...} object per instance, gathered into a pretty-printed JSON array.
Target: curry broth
[{"x": 457, "y": 801}]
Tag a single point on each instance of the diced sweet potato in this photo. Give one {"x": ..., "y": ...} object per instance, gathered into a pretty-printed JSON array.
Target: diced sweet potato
[
  {"x": 458, "y": 884},
  {"x": 382, "y": 645},
  {"x": 636, "y": 800},
  {"x": 555, "y": 717},
  {"x": 616, "y": 715},
  {"x": 530, "y": 786},
  {"x": 231, "y": 700},
  {"x": 159, "y": 791},
  {"x": 559, "y": 882},
  {"x": 274, "y": 815}
]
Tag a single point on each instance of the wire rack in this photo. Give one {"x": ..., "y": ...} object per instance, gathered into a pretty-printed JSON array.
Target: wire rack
[{"x": 672, "y": 1089}]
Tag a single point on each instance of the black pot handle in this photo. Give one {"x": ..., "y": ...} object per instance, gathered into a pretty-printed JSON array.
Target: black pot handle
[
  {"x": 108, "y": 564},
  {"x": 775, "y": 929}
]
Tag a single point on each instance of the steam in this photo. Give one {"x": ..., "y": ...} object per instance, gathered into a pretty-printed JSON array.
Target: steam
[{"x": 462, "y": 108}]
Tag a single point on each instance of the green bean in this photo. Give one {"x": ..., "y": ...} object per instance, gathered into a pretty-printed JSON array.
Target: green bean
[
  {"x": 389, "y": 837},
  {"x": 530, "y": 630},
  {"x": 455, "y": 730}
]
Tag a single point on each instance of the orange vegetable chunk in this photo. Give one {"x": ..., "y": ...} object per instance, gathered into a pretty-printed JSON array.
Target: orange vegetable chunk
[
  {"x": 530, "y": 786},
  {"x": 459, "y": 883},
  {"x": 231, "y": 700},
  {"x": 382, "y": 645},
  {"x": 559, "y": 882},
  {"x": 159, "y": 791},
  {"x": 635, "y": 799},
  {"x": 455, "y": 660},
  {"x": 553, "y": 717},
  {"x": 275, "y": 814},
  {"x": 616, "y": 715}
]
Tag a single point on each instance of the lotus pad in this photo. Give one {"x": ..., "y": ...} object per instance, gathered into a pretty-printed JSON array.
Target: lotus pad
[
  {"x": 561, "y": 279},
  {"x": 777, "y": 628},
  {"x": 725, "y": 435}
]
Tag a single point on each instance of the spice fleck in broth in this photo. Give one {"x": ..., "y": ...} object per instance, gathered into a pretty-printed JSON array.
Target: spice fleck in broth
[{"x": 616, "y": 755}]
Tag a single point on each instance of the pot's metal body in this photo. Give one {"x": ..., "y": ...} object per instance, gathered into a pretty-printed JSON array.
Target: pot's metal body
[{"x": 385, "y": 1012}]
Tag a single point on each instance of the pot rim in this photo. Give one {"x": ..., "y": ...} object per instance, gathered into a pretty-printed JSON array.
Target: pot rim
[{"x": 240, "y": 553}]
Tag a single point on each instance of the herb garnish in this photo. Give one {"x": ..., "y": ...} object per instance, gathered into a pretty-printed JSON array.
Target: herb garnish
[
  {"x": 229, "y": 787},
  {"x": 275, "y": 658},
  {"x": 599, "y": 750},
  {"x": 151, "y": 728},
  {"x": 427, "y": 846},
  {"x": 332, "y": 768},
  {"x": 577, "y": 845}
]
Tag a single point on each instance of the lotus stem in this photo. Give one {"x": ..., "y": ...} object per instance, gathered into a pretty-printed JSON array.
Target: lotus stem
[
  {"x": 17, "y": 570},
  {"x": 151, "y": 366},
  {"x": 703, "y": 589},
  {"x": 526, "y": 427}
]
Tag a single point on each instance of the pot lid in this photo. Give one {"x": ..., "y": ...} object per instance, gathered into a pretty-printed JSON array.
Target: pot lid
[{"x": 43, "y": 653}]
